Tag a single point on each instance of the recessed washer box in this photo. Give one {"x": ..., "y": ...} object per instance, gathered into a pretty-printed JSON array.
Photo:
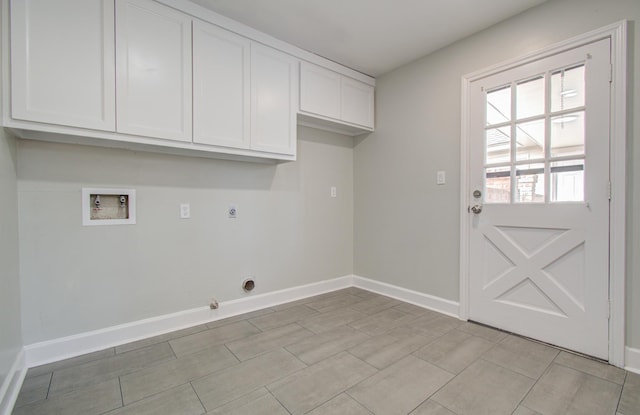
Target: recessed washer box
[{"x": 108, "y": 206}]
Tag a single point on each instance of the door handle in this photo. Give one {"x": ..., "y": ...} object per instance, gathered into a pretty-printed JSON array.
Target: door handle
[{"x": 476, "y": 209}]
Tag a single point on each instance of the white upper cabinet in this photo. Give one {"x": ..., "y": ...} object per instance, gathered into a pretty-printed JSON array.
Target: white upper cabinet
[
  {"x": 221, "y": 87},
  {"x": 153, "y": 70},
  {"x": 357, "y": 102},
  {"x": 62, "y": 62},
  {"x": 334, "y": 101},
  {"x": 319, "y": 90},
  {"x": 274, "y": 95}
]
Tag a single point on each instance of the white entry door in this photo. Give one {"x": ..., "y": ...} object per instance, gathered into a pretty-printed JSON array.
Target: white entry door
[{"x": 539, "y": 202}]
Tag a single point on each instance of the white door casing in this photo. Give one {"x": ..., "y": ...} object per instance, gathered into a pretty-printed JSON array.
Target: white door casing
[{"x": 535, "y": 276}]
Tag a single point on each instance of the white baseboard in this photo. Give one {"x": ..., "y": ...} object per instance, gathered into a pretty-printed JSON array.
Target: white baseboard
[
  {"x": 71, "y": 346},
  {"x": 10, "y": 388},
  {"x": 448, "y": 307},
  {"x": 632, "y": 360}
]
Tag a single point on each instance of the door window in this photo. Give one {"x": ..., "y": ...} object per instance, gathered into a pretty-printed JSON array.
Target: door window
[{"x": 535, "y": 139}]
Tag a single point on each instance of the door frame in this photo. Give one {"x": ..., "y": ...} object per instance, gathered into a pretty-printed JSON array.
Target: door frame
[{"x": 617, "y": 33}]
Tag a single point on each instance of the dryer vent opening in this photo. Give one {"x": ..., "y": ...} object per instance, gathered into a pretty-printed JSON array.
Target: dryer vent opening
[{"x": 248, "y": 285}]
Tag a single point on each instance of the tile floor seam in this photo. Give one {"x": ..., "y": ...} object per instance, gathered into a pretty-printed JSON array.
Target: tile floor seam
[
  {"x": 121, "y": 394},
  {"x": 198, "y": 396},
  {"x": 278, "y": 400},
  {"x": 589, "y": 374}
]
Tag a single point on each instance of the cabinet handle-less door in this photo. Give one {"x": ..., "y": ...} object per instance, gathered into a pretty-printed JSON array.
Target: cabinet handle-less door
[
  {"x": 62, "y": 65},
  {"x": 274, "y": 80},
  {"x": 221, "y": 94},
  {"x": 357, "y": 102},
  {"x": 153, "y": 70}
]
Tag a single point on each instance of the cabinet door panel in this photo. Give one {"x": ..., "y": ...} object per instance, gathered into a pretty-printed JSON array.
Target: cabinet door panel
[
  {"x": 319, "y": 91},
  {"x": 221, "y": 94},
  {"x": 62, "y": 62},
  {"x": 357, "y": 102},
  {"x": 153, "y": 44},
  {"x": 274, "y": 91}
]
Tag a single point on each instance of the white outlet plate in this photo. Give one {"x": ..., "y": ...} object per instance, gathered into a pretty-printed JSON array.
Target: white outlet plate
[
  {"x": 185, "y": 211},
  {"x": 334, "y": 191},
  {"x": 441, "y": 177}
]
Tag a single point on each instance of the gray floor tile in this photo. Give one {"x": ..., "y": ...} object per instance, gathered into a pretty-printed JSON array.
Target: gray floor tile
[
  {"x": 74, "y": 361},
  {"x": 630, "y": 399},
  {"x": 178, "y": 401},
  {"x": 380, "y": 323},
  {"x": 212, "y": 337},
  {"x": 149, "y": 381},
  {"x": 259, "y": 402},
  {"x": 332, "y": 319},
  {"x": 523, "y": 410},
  {"x": 99, "y": 371},
  {"x": 91, "y": 400},
  {"x": 434, "y": 324},
  {"x": 431, "y": 408},
  {"x": 326, "y": 344},
  {"x": 401, "y": 387},
  {"x": 484, "y": 389},
  {"x": 342, "y": 404},
  {"x": 230, "y": 384},
  {"x": 375, "y": 304},
  {"x": 522, "y": 356},
  {"x": 333, "y": 302},
  {"x": 159, "y": 339},
  {"x": 257, "y": 344},
  {"x": 412, "y": 309},
  {"x": 313, "y": 386},
  {"x": 592, "y": 367},
  {"x": 485, "y": 332},
  {"x": 34, "y": 389},
  {"x": 454, "y": 351},
  {"x": 360, "y": 292},
  {"x": 240, "y": 317},
  {"x": 382, "y": 351},
  {"x": 563, "y": 390},
  {"x": 283, "y": 317}
]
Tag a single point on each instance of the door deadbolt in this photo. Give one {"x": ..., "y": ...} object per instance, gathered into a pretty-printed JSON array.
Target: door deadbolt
[{"x": 477, "y": 194}]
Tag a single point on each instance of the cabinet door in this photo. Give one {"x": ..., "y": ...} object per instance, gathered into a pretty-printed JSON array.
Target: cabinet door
[
  {"x": 62, "y": 62},
  {"x": 221, "y": 95},
  {"x": 153, "y": 70},
  {"x": 274, "y": 79},
  {"x": 319, "y": 90},
  {"x": 357, "y": 102}
]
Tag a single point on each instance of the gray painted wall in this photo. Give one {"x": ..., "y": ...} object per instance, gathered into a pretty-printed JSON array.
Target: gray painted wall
[
  {"x": 289, "y": 231},
  {"x": 10, "y": 325},
  {"x": 407, "y": 228}
]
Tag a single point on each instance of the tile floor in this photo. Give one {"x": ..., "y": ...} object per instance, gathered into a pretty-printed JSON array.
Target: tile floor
[{"x": 345, "y": 352}]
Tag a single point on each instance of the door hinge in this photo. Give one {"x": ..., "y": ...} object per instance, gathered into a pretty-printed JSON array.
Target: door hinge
[
  {"x": 609, "y": 309},
  {"x": 609, "y": 190}
]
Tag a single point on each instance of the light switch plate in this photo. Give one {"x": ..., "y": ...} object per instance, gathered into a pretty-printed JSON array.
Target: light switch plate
[
  {"x": 185, "y": 211},
  {"x": 441, "y": 177}
]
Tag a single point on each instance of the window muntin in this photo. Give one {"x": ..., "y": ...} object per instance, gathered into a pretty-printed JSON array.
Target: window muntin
[{"x": 535, "y": 139}]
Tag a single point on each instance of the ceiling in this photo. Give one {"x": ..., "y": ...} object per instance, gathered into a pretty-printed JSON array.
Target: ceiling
[{"x": 370, "y": 36}]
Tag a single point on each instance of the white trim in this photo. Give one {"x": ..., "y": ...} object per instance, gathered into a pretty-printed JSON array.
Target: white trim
[
  {"x": 441, "y": 305},
  {"x": 617, "y": 32},
  {"x": 12, "y": 383},
  {"x": 632, "y": 360},
  {"x": 71, "y": 346}
]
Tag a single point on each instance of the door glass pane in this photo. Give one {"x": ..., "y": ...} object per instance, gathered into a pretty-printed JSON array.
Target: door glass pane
[
  {"x": 498, "y": 145},
  {"x": 567, "y": 88},
  {"x": 567, "y": 134},
  {"x": 567, "y": 181},
  {"x": 497, "y": 185},
  {"x": 530, "y": 183},
  {"x": 499, "y": 106},
  {"x": 530, "y": 140},
  {"x": 530, "y": 98}
]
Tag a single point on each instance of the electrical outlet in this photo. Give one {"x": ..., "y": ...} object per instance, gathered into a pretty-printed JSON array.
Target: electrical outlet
[
  {"x": 233, "y": 211},
  {"x": 185, "y": 211},
  {"x": 334, "y": 191}
]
